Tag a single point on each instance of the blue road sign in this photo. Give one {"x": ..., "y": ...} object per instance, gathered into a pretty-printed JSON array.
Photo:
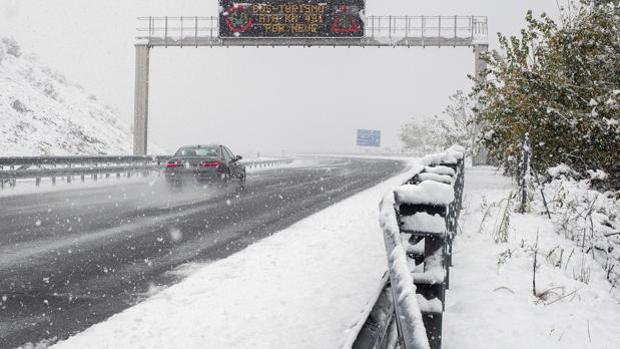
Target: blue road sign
[{"x": 369, "y": 138}]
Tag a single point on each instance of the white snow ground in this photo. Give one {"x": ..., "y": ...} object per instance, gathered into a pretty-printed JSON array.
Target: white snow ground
[
  {"x": 490, "y": 302},
  {"x": 304, "y": 287}
]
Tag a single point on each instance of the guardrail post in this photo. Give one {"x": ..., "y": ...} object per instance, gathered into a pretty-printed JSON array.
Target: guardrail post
[
  {"x": 372, "y": 27},
  {"x": 181, "y": 36},
  {"x": 150, "y": 27},
  {"x": 12, "y": 181},
  {"x": 434, "y": 258},
  {"x": 211, "y": 30},
  {"x": 455, "y": 30},
  {"x": 422, "y": 29},
  {"x": 431, "y": 222},
  {"x": 166, "y": 31},
  {"x": 69, "y": 175},
  {"x": 407, "y": 24},
  {"x": 439, "y": 32}
]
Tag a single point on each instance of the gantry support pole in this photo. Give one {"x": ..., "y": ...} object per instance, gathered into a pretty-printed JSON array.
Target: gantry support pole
[
  {"x": 481, "y": 157},
  {"x": 479, "y": 64},
  {"x": 141, "y": 100}
]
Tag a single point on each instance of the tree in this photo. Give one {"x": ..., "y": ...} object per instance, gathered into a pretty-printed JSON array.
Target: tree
[
  {"x": 420, "y": 134},
  {"x": 458, "y": 124},
  {"x": 559, "y": 82}
]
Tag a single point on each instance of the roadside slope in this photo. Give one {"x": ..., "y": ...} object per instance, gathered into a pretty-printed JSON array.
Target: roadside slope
[{"x": 42, "y": 113}]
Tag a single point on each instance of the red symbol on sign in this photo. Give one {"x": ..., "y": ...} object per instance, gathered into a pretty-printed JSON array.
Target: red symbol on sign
[
  {"x": 345, "y": 22},
  {"x": 237, "y": 18}
]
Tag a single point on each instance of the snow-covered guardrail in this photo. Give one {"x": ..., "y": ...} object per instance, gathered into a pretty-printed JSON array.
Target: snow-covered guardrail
[
  {"x": 13, "y": 169},
  {"x": 419, "y": 222}
]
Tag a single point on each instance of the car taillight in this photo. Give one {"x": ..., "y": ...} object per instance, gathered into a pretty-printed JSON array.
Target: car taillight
[
  {"x": 215, "y": 164},
  {"x": 171, "y": 164}
]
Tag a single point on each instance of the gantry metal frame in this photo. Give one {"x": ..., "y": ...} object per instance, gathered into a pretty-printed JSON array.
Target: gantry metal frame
[{"x": 380, "y": 31}]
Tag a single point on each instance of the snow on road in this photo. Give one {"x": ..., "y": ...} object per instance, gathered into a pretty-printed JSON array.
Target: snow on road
[
  {"x": 304, "y": 287},
  {"x": 490, "y": 302}
]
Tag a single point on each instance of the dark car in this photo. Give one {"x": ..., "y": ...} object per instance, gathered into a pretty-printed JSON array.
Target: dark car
[{"x": 204, "y": 163}]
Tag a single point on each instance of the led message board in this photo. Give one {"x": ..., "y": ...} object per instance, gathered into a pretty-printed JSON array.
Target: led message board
[{"x": 295, "y": 18}]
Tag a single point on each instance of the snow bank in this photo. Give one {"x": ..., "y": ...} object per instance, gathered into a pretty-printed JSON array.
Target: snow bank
[
  {"x": 559, "y": 170},
  {"x": 425, "y": 193},
  {"x": 447, "y": 157},
  {"x": 304, "y": 287},
  {"x": 586, "y": 216},
  {"x": 428, "y": 176},
  {"x": 491, "y": 285},
  {"x": 424, "y": 222},
  {"x": 441, "y": 170}
]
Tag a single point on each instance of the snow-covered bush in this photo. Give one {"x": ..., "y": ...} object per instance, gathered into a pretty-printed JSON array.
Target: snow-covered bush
[
  {"x": 456, "y": 125},
  {"x": 589, "y": 217},
  {"x": 421, "y": 135},
  {"x": 560, "y": 83}
]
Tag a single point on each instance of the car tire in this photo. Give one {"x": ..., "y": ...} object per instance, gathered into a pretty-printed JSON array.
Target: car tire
[
  {"x": 242, "y": 179},
  {"x": 225, "y": 178}
]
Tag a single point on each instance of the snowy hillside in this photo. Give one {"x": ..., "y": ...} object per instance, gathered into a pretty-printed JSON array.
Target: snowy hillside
[{"x": 41, "y": 113}]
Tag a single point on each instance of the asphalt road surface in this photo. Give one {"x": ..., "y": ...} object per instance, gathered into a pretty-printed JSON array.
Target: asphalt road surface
[{"x": 72, "y": 258}]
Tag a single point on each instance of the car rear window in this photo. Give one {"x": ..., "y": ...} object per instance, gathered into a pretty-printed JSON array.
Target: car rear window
[{"x": 197, "y": 151}]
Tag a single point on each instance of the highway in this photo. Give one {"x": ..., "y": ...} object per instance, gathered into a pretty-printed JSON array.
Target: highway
[{"x": 72, "y": 258}]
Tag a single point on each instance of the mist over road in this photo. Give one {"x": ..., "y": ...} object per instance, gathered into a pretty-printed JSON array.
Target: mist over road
[{"x": 69, "y": 259}]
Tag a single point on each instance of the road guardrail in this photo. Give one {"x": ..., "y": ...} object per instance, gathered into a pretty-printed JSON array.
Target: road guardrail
[
  {"x": 419, "y": 220},
  {"x": 13, "y": 169}
]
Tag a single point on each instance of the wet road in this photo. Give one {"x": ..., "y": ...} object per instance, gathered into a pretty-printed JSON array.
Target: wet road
[{"x": 69, "y": 259}]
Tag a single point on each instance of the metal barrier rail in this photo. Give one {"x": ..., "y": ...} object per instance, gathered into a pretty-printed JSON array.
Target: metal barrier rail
[
  {"x": 428, "y": 225},
  {"x": 71, "y": 160},
  {"x": 38, "y": 167},
  {"x": 266, "y": 163},
  {"x": 379, "y": 30}
]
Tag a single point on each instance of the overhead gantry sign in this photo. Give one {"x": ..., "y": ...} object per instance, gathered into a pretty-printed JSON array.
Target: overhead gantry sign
[
  {"x": 303, "y": 23},
  {"x": 297, "y": 18}
]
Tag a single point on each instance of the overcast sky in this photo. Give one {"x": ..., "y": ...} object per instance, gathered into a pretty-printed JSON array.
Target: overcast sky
[{"x": 267, "y": 99}]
